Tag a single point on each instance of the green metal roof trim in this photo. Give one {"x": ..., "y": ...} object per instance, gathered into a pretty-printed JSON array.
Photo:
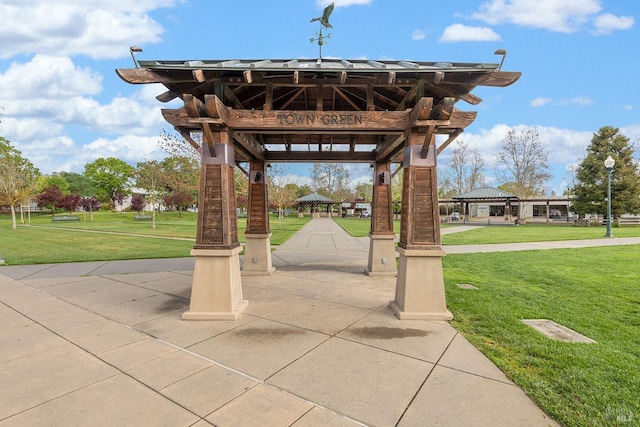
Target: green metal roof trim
[
  {"x": 486, "y": 193},
  {"x": 316, "y": 64},
  {"x": 314, "y": 197}
]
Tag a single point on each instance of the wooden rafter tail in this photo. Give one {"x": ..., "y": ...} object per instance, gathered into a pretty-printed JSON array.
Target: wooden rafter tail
[
  {"x": 193, "y": 106},
  {"x": 452, "y": 136},
  {"x": 216, "y": 108},
  {"x": 498, "y": 78},
  {"x": 421, "y": 111}
]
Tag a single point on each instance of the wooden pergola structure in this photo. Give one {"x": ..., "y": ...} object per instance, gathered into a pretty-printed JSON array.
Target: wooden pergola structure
[{"x": 318, "y": 110}]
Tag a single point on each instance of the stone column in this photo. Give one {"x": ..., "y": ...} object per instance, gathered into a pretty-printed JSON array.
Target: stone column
[
  {"x": 216, "y": 293},
  {"x": 420, "y": 284},
  {"x": 257, "y": 248},
  {"x": 382, "y": 250}
]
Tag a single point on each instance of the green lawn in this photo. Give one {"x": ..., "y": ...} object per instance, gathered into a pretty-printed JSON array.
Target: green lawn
[
  {"x": 113, "y": 236},
  {"x": 593, "y": 291},
  {"x": 359, "y": 227}
]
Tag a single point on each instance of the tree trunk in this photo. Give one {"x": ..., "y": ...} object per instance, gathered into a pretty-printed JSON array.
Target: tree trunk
[{"x": 13, "y": 217}]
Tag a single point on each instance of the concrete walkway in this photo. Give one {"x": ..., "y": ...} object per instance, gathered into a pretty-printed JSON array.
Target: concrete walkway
[{"x": 103, "y": 344}]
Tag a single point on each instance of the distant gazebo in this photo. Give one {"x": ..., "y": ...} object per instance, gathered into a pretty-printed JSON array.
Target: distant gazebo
[
  {"x": 487, "y": 195},
  {"x": 314, "y": 200}
]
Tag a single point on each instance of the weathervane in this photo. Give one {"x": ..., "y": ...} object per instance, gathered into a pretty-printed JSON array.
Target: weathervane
[{"x": 324, "y": 23}]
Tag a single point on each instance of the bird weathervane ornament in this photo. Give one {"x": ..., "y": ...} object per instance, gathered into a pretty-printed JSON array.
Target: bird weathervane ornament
[{"x": 324, "y": 23}]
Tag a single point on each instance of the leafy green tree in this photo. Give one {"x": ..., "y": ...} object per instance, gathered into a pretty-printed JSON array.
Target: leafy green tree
[
  {"x": 150, "y": 176},
  {"x": 181, "y": 174},
  {"x": 590, "y": 191},
  {"x": 45, "y": 181},
  {"x": 364, "y": 191},
  {"x": 79, "y": 184},
  {"x": 110, "y": 176},
  {"x": 17, "y": 177}
]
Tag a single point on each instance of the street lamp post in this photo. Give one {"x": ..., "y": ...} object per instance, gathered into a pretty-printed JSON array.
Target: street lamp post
[{"x": 608, "y": 164}]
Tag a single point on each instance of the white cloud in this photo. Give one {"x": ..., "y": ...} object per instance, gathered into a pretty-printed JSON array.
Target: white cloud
[
  {"x": 540, "y": 102},
  {"x": 464, "y": 33},
  {"x": 563, "y": 16},
  {"x": 50, "y": 77},
  {"x": 418, "y": 35},
  {"x": 578, "y": 100},
  {"x": 97, "y": 29},
  {"x": 607, "y": 23},
  {"x": 342, "y": 3}
]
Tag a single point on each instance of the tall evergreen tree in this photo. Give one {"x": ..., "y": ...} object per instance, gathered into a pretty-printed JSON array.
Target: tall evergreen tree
[{"x": 590, "y": 191}]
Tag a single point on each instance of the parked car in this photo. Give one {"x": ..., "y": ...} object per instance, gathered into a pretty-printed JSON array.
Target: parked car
[
  {"x": 455, "y": 216},
  {"x": 366, "y": 214},
  {"x": 555, "y": 213}
]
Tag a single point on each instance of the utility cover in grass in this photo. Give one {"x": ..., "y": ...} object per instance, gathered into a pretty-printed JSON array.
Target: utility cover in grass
[
  {"x": 556, "y": 331},
  {"x": 466, "y": 286}
]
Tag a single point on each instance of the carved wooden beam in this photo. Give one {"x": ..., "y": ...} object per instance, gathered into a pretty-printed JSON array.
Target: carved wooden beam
[
  {"x": 187, "y": 136},
  {"x": 319, "y": 156},
  {"x": 250, "y": 145},
  {"x": 392, "y": 145},
  {"x": 452, "y": 137}
]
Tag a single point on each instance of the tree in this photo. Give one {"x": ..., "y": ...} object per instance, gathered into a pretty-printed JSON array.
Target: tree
[
  {"x": 181, "y": 174},
  {"x": 70, "y": 202},
  {"x": 590, "y": 190},
  {"x": 56, "y": 179},
  {"x": 364, "y": 191},
  {"x": 79, "y": 184},
  {"x": 110, "y": 176},
  {"x": 523, "y": 159},
  {"x": 331, "y": 180},
  {"x": 150, "y": 177},
  {"x": 467, "y": 168},
  {"x": 178, "y": 146},
  {"x": 281, "y": 194},
  {"x": 17, "y": 178},
  {"x": 90, "y": 204},
  {"x": 138, "y": 203},
  {"x": 242, "y": 186},
  {"x": 180, "y": 200},
  {"x": 50, "y": 197}
]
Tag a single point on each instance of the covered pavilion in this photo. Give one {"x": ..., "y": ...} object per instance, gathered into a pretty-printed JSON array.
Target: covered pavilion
[
  {"x": 318, "y": 110},
  {"x": 314, "y": 201},
  {"x": 486, "y": 195}
]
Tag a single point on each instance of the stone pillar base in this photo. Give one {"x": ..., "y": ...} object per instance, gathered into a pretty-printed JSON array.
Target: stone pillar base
[
  {"x": 257, "y": 255},
  {"x": 300, "y": 214},
  {"x": 315, "y": 214},
  {"x": 216, "y": 293},
  {"x": 420, "y": 286},
  {"x": 382, "y": 256}
]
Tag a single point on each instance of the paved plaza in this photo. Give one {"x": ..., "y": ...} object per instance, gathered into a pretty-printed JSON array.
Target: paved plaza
[{"x": 103, "y": 344}]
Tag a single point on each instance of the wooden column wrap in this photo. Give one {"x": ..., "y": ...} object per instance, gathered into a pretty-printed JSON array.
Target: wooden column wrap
[
  {"x": 420, "y": 222},
  {"x": 217, "y": 222},
  {"x": 382, "y": 215},
  {"x": 258, "y": 215}
]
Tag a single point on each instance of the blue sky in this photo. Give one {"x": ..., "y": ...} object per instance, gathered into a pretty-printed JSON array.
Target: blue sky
[{"x": 64, "y": 106}]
